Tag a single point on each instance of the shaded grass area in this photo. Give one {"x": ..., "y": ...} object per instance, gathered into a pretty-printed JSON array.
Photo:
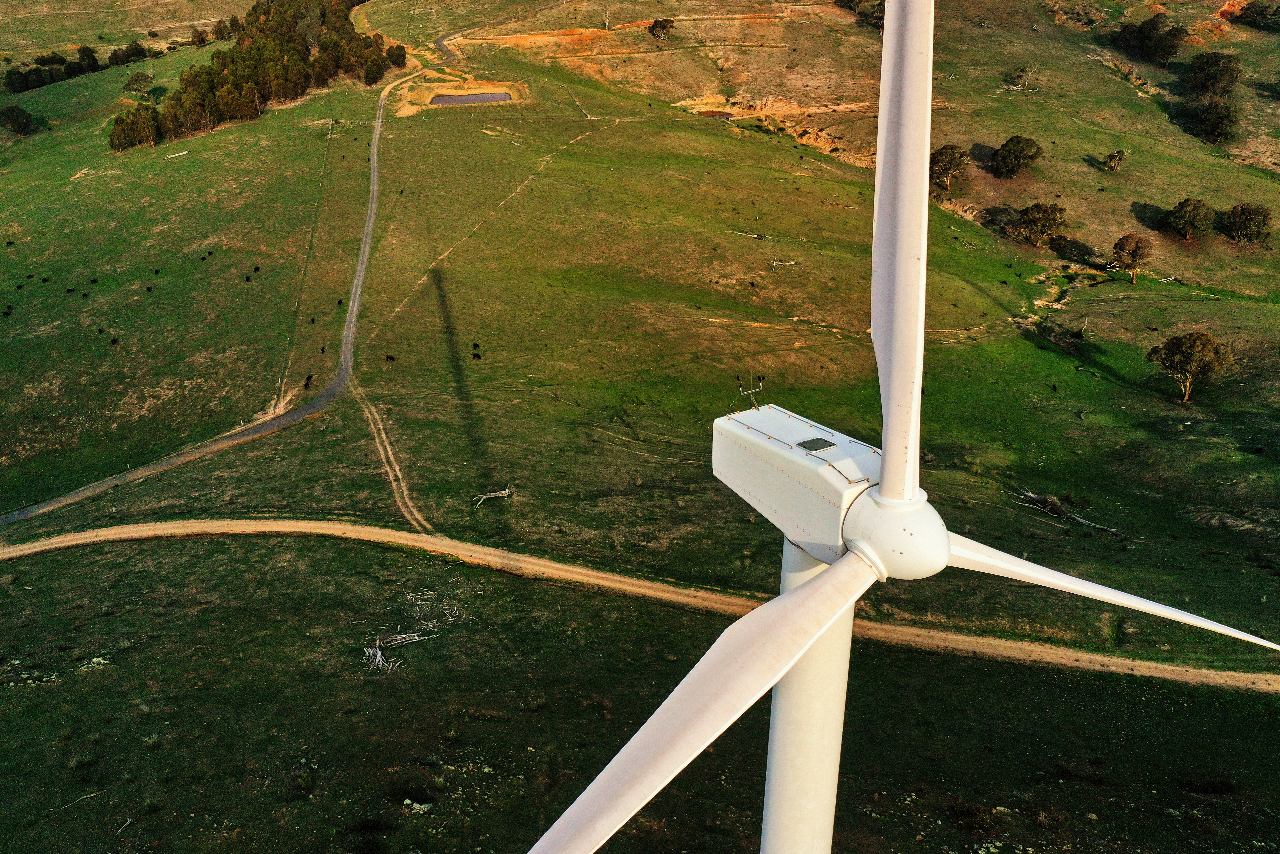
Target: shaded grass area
[
  {"x": 229, "y": 709},
  {"x": 163, "y": 296}
]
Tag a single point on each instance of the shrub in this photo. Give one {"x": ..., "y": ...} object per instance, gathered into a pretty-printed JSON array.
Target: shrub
[
  {"x": 1260, "y": 16},
  {"x": 870, "y": 12},
  {"x": 1189, "y": 218},
  {"x": 1154, "y": 40},
  {"x": 1017, "y": 153},
  {"x": 1038, "y": 224},
  {"x": 131, "y": 52},
  {"x": 1248, "y": 223},
  {"x": 1216, "y": 119},
  {"x": 661, "y": 27},
  {"x": 88, "y": 58},
  {"x": 1213, "y": 73},
  {"x": 396, "y": 55}
]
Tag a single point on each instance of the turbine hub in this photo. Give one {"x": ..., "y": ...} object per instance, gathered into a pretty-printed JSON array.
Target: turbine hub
[{"x": 899, "y": 539}]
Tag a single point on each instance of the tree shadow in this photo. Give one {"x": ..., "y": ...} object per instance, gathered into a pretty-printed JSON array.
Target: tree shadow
[
  {"x": 1075, "y": 251},
  {"x": 998, "y": 217},
  {"x": 157, "y": 93},
  {"x": 1073, "y": 343},
  {"x": 1094, "y": 162},
  {"x": 981, "y": 155},
  {"x": 477, "y": 445},
  {"x": 1266, "y": 90},
  {"x": 1148, "y": 215}
]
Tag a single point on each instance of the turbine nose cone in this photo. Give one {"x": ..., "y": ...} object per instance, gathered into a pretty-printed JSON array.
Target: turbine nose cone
[{"x": 899, "y": 539}]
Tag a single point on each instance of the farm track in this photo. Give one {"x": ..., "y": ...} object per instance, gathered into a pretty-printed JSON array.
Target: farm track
[
  {"x": 509, "y": 562},
  {"x": 693, "y": 598},
  {"x": 276, "y": 423}
]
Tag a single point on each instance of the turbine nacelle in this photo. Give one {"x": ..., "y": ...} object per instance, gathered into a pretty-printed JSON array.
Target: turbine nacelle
[{"x": 819, "y": 487}]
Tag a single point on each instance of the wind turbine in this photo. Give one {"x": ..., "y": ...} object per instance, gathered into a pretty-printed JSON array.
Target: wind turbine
[{"x": 851, "y": 515}]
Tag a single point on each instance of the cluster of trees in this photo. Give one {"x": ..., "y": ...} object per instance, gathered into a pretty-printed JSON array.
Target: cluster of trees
[
  {"x": 282, "y": 49},
  {"x": 1244, "y": 223},
  {"x": 51, "y": 68},
  {"x": 1155, "y": 40},
  {"x": 949, "y": 161}
]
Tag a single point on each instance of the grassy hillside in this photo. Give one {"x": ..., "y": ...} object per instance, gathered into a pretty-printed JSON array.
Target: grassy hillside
[
  {"x": 33, "y": 28},
  {"x": 212, "y": 696},
  {"x": 162, "y": 296},
  {"x": 562, "y": 296},
  {"x": 615, "y": 263}
]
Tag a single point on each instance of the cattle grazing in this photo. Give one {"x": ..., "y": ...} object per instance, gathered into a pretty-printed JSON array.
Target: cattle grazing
[{"x": 390, "y": 358}]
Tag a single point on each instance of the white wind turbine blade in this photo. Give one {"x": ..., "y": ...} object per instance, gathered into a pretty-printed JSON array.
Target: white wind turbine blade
[
  {"x": 900, "y": 237},
  {"x": 744, "y": 662},
  {"x": 967, "y": 554}
]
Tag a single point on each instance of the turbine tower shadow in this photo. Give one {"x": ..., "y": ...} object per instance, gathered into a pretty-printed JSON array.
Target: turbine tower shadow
[{"x": 472, "y": 425}]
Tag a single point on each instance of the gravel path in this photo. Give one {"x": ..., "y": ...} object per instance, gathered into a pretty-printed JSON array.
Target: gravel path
[{"x": 693, "y": 598}]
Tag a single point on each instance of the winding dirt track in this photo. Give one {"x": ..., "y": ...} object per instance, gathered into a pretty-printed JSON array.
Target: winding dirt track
[
  {"x": 697, "y": 599},
  {"x": 279, "y": 422}
]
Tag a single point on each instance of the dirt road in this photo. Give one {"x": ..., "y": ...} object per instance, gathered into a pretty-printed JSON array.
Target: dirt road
[
  {"x": 274, "y": 424},
  {"x": 699, "y": 599}
]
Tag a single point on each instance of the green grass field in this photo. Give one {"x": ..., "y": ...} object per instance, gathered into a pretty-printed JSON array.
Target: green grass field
[
  {"x": 33, "y": 28},
  {"x": 570, "y": 287},
  {"x": 212, "y": 696}
]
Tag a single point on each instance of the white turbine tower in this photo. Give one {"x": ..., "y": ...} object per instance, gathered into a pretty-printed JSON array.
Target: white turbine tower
[{"x": 851, "y": 515}]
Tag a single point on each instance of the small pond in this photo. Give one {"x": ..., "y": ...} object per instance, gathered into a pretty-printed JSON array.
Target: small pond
[{"x": 473, "y": 98}]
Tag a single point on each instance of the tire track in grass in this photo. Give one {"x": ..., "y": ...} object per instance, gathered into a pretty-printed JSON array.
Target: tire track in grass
[
  {"x": 389, "y": 464},
  {"x": 276, "y": 423},
  {"x": 699, "y": 599}
]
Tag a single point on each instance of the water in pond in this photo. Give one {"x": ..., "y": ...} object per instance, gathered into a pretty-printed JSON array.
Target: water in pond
[{"x": 473, "y": 98}]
